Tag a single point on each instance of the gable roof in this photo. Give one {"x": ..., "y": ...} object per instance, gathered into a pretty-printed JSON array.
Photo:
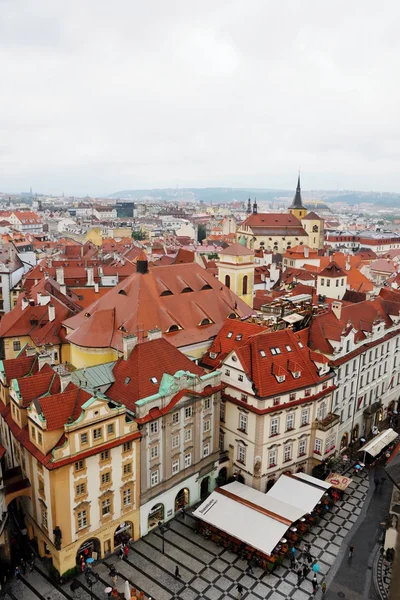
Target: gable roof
[
  {"x": 332, "y": 270},
  {"x": 236, "y": 250},
  {"x": 58, "y": 409},
  {"x": 151, "y": 359},
  {"x": 19, "y": 367},
  {"x": 45, "y": 381}
]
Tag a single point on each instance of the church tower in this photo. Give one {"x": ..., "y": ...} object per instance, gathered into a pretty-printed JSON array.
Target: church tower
[
  {"x": 236, "y": 270},
  {"x": 296, "y": 208}
]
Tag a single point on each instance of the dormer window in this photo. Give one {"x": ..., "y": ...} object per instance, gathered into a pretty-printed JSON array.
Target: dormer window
[
  {"x": 172, "y": 328},
  {"x": 230, "y": 334},
  {"x": 166, "y": 293},
  {"x": 212, "y": 355},
  {"x": 239, "y": 337},
  {"x": 207, "y": 286},
  {"x": 296, "y": 374},
  {"x": 186, "y": 290},
  {"x": 280, "y": 378},
  {"x": 232, "y": 316},
  {"x": 122, "y": 292}
]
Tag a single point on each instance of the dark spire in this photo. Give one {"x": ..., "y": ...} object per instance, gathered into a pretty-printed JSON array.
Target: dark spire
[
  {"x": 297, "y": 201},
  {"x": 248, "y": 206},
  {"x": 142, "y": 265},
  {"x": 255, "y": 206}
]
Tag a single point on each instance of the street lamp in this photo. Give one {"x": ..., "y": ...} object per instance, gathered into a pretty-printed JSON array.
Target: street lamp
[
  {"x": 163, "y": 527},
  {"x": 91, "y": 579}
]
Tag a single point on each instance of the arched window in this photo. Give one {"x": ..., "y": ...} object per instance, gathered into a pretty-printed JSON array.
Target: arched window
[
  {"x": 244, "y": 285},
  {"x": 228, "y": 281}
]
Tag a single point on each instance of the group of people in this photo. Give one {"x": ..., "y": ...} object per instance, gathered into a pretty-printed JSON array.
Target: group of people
[
  {"x": 123, "y": 551},
  {"x": 24, "y": 566}
]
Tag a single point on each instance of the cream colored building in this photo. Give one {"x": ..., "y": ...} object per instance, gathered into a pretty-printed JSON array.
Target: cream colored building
[{"x": 236, "y": 271}]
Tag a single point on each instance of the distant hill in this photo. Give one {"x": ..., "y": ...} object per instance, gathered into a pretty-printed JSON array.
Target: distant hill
[{"x": 226, "y": 195}]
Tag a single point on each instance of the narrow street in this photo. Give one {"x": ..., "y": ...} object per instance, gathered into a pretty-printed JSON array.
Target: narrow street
[{"x": 353, "y": 579}]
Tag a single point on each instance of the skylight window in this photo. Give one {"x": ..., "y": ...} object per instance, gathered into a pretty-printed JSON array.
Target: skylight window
[
  {"x": 288, "y": 348},
  {"x": 127, "y": 380},
  {"x": 239, "y": 337},
  {"x": 275, "y": 350},
  {"x": 230, "y": 334},
  {"x": 262, "y": 352},
  {"x": 154, "y": 380},
  {"x": 300, "y": 345}
]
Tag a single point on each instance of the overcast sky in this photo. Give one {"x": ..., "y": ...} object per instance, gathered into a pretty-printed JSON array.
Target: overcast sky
[{"x": 103, "y": 95}]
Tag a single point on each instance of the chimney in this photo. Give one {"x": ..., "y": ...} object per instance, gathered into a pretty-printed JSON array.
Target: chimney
[
  {"x": 90, "y": 276},
  {"x": 348, "y": 264},
  {"x": 60, "y": 275},
  {"x": 96, "y": 288},
  {"x": 305, "y": 251},
  {"x": 24, "y": 303},
  {"x": 52, "y": 312},
  {"x": 128, "y": 344},
  {"x": 63, "y": 289},
  {"x": 46, "y": 276},
  {"x": 337, "y": 309},
  {"x": 43, "y": 299},
  {"x": 49, "y": 262},
  {"x": 154, "y": 334},
  {"x": 43, "y": 359},
  {"x": 65, "y": 379}
]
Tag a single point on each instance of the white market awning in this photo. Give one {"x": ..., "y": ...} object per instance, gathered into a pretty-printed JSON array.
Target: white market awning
[
  {"x": 300, "y": 493},
  {"x": 378, "y": 443},
  {"x": 241, "y": 521}
]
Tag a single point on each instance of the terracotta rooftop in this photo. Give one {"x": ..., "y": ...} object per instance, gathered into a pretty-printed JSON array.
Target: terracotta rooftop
[
  {"x": 332, "y": 270},
  {"x": 140, "y": 375},
  {"x": 59, "y": 408},
  {"x": 185, "y": 301},
  {"x": 272, "y": 220},
  {"x": 46, "y": 381},
  {"x": 236, "y": 250},
  {"x": 21, "y": 366}
]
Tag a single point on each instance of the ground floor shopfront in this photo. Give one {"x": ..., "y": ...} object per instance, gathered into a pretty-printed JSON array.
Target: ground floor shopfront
[
  {"x": 166, "y": 505},
  {"x": 96, "y": 544}
]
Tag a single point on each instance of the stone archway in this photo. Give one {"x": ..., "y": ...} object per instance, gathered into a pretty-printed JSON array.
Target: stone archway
[
  {"x": 344, "y": 441},
  {"x": 88, "y": 549},
  {"x": 182, "y": 499}
]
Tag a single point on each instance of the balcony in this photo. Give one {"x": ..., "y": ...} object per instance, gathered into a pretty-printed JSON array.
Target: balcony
[{"x": 328, "y": 422}]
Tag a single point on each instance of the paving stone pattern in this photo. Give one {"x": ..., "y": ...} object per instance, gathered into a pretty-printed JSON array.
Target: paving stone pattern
[{"x": 208, "y": 571}]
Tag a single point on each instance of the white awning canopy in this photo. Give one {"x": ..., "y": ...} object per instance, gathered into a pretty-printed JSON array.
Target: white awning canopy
[
  {"x": 378, "y": 443},
  {"x": 300, "y": 493},
  {"x": 241, "y": 521},
  {"x": 261, "y": 520},
  {"x": 313, "y": 480}
]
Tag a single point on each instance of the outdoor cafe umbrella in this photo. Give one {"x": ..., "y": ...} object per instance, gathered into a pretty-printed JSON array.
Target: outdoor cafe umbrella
[
  {"x": 90, "y": 560},
  {"x": 127, "y": 590}
]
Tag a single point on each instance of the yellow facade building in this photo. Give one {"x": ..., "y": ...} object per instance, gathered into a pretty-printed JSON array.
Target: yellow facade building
[{"x": 236, "y": 271}]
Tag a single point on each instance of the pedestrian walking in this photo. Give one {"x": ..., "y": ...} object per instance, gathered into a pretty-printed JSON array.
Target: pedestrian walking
[
  {"x": 115, "y": 579},
  {"x": 177, "y": 573},
  {"x": 240, "y": 589},
  {"x": 306, "y": 570},
  {"x": 299, "y": 575},
  {"x": 323, "y": 587},
  {"x": 121, "y": 553},
  {"x": 17, "y": 573},
  {"x": 351, "y": 551},
  {"x": 23, "y": 566},
  {"x": 249, "y": 568},
  {"x": 314, "y": 584},
  {"x": 183, "y": 511},
  {"x": 126, "y": 551}
]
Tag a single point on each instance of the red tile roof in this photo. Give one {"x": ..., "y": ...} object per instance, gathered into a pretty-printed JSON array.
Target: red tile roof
[
  {"x": 46, "y": 381},
  {"x": 20, "y": 367},
  {"x": 236, "y": 250},
  {"x": 332, "y": 270},
  {"x": 59, "y": 408},
  {"x": 147, "y": 360},
  {"x": 271, "y": 220},
  {"x": 179, "y": 296}
]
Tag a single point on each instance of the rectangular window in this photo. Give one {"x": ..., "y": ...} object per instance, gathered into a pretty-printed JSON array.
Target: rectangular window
[
  {"x": 221, "y": 442},
  {"x": 80, "y": 489},
  {"x": 105, "y": 455},
  {"x": 105, "y": 478},
  {"x": 188, "y": 459},
  {"x": 82, "y": 519},
  {"x": 302, "y": 447},
  {"x": 241, "y": 454},
  {"x": 175, "y": 466},
  {"x": 206, "y": 450},
  {"x": 97, "y": 433},
  {"x": 305, "y": 415},
  {"x": 227, "y": 372},
  {"x": 40, "y": 438},
  {"x": 154, "y": 478},
  {"x": 292, "y": 397},
  {"x": 110, "y": 429},
  {"x": 276, "y": 401},
  {"x": 207, "y": 403},
  {"x": 188, "y": 435},
  {"x": 44, "y": 516},
  {"x": 154, "y": 451},
  {"x": 307, "y": 393},
  {"x": 84, "y": 438},
  {"x": 287, "y": 453},
  {"x": 127, "y": 496},
  {"x": 188, "y": 412},
  {"x": 243, "y": 422},
  {"x": 41, "y": 486},
  {"x": 106, "y": 507},
  {"x": 17, "y": 346},
  {"x": 290, "y": 421},
  {"x": 127, "y": 468},
  {"x": 272, "y": 458},
  {"x": 274, "y": 426},
  {"x": 175, "y": 441},
  {"x": 206, "y": 425},
  {"x": 240, "y": 377},
  {"x": 127, "y": 446},
  {"x": 154, "y": 427},
  {"x": 175, "y": 418},
  {"x": 79, "y": 465},
  {"x": 33, "y": 433},
  {"x": 222, "y": 412},
  {"x": 318, "y": 446},
  {"x": 328, "y": 283},
  {"x": 243, "y": 397}
]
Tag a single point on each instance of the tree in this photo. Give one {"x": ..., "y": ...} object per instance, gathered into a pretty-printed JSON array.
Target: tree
[
  {"x": 201, "y": 232},
  {"x": 138, "y": 235}
]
